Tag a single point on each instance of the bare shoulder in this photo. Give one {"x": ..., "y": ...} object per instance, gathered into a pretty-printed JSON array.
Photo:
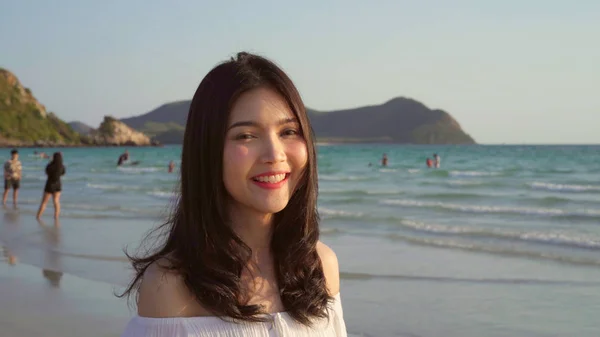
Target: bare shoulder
[
  {"x": 331, "y": 267},
  {"x": 163, "y": 293}
]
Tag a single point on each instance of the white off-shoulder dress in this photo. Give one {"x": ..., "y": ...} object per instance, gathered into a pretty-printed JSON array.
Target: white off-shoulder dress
[{"x": 282, "y": 325}]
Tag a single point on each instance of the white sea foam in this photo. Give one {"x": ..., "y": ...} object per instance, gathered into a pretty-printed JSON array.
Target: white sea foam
[
  {"x": 330, "y": 213},
  {"x": 162, "y": 195},
  {"x": 564, "y": 187},
  {"x": 138, "y": 169},
  {"x": 494, "y": 209},
  {"x": 472, "y": 173},
  {"x": 464, "y": 182},
  {"x": 552, "y": 237},
  {"x": 104, "y": 186}
]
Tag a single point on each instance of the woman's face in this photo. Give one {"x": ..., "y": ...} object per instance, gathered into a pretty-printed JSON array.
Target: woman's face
[{"x": 264, "y": 154}]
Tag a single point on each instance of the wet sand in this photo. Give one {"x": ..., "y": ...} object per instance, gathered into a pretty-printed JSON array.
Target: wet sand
[
  {"x": 38, "y": 299},
  {"x": 37, "y": 302},
  {"x": 61, "y": 282}
]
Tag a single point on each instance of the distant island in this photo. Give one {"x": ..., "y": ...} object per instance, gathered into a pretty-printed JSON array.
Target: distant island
[
  {"x": 24, "y": 122},
  {"x": 399, "y": 120}
]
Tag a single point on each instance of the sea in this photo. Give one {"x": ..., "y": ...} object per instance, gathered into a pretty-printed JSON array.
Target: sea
[{"x": 497, "y": 241}]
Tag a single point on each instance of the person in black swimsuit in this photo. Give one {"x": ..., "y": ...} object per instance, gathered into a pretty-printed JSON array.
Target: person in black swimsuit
[{"x": 53, "y": 187}]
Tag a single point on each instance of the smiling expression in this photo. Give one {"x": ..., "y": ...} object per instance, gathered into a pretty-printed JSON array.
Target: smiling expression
[{"x": 265, "y": 153}]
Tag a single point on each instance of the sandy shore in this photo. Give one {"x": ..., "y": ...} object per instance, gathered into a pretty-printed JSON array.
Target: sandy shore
[{"x": 36, "y": 302}]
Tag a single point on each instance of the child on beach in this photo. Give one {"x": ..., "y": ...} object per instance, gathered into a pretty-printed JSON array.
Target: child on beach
[
  {"x": 54, "y": 170},
  {"x": 241, "y": 255},
  {"x": 12, "y": 177}
]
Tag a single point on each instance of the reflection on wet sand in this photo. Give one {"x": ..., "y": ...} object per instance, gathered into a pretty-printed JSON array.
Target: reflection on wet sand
[
  {"x": 51, "y": 241},
  {"x": 53, "y": 276},
  {"x": 8, "y": 257},
  {"x": 11, "y": 216}
]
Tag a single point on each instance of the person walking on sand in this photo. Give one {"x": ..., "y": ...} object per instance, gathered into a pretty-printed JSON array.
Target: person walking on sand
[
  {"x": 12, "y": 177},
  {"x": 54, "y": 170}
]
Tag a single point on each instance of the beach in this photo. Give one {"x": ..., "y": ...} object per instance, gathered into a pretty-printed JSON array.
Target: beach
[{"x": 500, "y": 241}]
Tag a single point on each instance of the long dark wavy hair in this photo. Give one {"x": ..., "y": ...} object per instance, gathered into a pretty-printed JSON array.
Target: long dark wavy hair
[
  {"x": 197, "y": 240},
  {"x": 57, "y": 163},
  {"x": 57, "y": 159}
]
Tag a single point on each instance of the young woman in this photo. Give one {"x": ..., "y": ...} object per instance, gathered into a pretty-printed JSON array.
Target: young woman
[
  {"x": 54, "y": 170},
  {"x": 240, "y": 255}
]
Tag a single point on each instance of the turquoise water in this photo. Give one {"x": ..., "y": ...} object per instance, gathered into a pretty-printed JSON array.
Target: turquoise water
[{"x": 499, "y": 241}]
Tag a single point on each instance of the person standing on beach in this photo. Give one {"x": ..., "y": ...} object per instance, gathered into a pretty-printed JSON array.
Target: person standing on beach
[
  {"x": 242, "y": 242},
  {"x": 54, "y": 170},
  {"x": 12, "y": 177}
]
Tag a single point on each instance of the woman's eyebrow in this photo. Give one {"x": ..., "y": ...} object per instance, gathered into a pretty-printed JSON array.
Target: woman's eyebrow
[{"x": 255, "y": 124}]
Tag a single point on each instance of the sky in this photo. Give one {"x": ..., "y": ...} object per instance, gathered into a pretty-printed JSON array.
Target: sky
[{"x": 514, "y": 72}]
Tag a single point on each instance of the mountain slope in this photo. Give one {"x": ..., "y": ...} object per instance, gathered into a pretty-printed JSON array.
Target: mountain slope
[
  {"x": 81, "y": 128},
  {"x": 400, "y": 120},
  {"x": 24, "y": 121}
]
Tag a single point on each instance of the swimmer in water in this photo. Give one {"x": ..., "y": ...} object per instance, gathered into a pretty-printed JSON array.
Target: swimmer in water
[
  {"x": 384, "y": 160},
  {"x": 123, "y": 158},
  {"x": 171, "y": 166},
  {"x": 437, "y": 160}
]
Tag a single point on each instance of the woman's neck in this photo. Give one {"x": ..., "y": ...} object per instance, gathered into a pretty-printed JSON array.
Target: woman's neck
[{"x": 255, "y": 230}]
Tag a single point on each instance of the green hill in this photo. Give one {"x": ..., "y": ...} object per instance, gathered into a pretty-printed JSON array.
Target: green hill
[
  {"x": 400, "y": 120},
  {"x": 24, "y": 121}
]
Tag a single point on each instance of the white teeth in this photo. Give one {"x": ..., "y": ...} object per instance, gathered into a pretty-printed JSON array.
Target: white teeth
[{"x": 271, "y": 179}]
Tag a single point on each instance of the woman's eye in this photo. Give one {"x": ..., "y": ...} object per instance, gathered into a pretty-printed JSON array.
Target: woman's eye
[
  {"x": 290, "y": 132},
  {"x": 244, "y": 136}
]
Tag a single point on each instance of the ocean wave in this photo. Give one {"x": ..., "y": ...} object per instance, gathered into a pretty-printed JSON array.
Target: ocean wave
[
  {"x": 450, "y": 279},
  {"x": 465, "y": 182},
  {"x": 452, "y": 196},
  {"x": 328, "y": 213},
  {"x": 105, "y": 186},
  {"x": 553, "y": 212},
  {"x": 498, "y": 249},
  {"x": 330, "y": 231},
  {"x": 474, "y": 183},
  {"x": 327, "y": 177},
  {"x": 162, "y": 195},
  {"x": 551, "y": 238},
  {"x": 346, "y": 200},
  {"x": 354, "y": 192},
  {"x": 137, "y": 170},
  {"x": 564, "y": 187},
  {"x": 106, "y": 208},
  {"x": 553, "y": 200},
  {"x": 473, "y": 173},
  {"x": 554, "y": 170}
]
